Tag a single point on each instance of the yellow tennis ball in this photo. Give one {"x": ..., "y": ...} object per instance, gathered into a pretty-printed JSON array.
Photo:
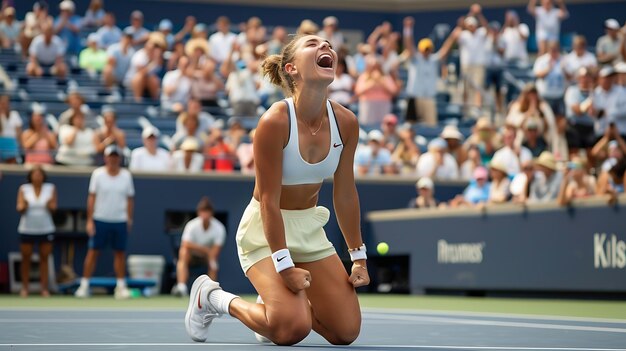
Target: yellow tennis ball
[{"x": 382, "y": 248}]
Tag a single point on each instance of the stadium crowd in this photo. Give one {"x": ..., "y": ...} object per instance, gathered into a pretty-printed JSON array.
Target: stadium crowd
[{"x": 559, "y": 135}]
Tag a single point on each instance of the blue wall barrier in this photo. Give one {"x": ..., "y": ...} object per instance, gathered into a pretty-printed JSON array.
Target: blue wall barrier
[
  {"x": 509, "y": 248},
  {"x": 158, "y": 194}
]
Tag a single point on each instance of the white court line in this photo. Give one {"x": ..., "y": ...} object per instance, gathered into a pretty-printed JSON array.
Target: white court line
[
  {"x": 355, "y": 346},
  {"x": 499, "y": 323}
]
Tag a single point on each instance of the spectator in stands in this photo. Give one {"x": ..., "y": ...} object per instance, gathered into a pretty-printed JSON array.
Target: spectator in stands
[
  {"x": 94, "y": 16},
  {"x": 219, "y": 153},
  {"x": 375, "y": 91},
  {"x": 307, "y": 27},
  {"x": 221, "y": 41},
  {"x": 610, "y": 148},
  {"x": 581, "y": 134},
  {"x": 578, "y": 58},
  {"x": 92, "y": 59},
  {"x": 548, "y": 22},
  {"x": 514, "y": 36},
  {"x": 143, "y": 75},
  {"x": 510, "y": 156},
  {"x": 176, "y": 88},
  {"x": 358, "y": 60},
  {"x": 76, "y": 143},
  {"x": 545, "y": 188},
  {"x": 609, "y": 46},
  {"x": 551, "y": 78},
  {"x": 38, "y": 141},
  {"x": 389, "y": 128},
  {"x": 576, "y": 183},
  {"x": 203, "y": 238},
  {"x": 110, "y": 207},
  {"x": 139, "y": 33},
  {"x": 485, "y": 138},
  {"x": 454, "y": 139},
  {"x": 476, "y": 192},
  {"x": 245, "y": 154},
  {"x": 9, "y": 29},
  {"x": 472, "y": 42},
  {"x": 473, "y": 161},
  {"x": 150, "y": 157},
  {"x": 197, "y": 49},
  {"x": 520, "y": 184},
  {"x": 34, "y": 23},
  {"x": 437, "y": 163},
  {"x": 495, "y": 65},
  {"x": 330, "y": 31},
  {"x": 194, "y": 110},
  {"x": 109, "y": 133},
  {"x": 10, "y": 131},
  {"x": 191, "y": 129},
  {"x": 36, "y": 201},
  {"x": 188, "y": 159},
  {"x": 109, "y": 33},
  {"x": 616, "y": 151},
  {"x": 253, "y": 34},
  {"x": 77, "y": 106},
  {"x": 406, "y": 153},
  {"x": 530, "y": 107},
  {"x": 67, "y": 27},
  {"x": 620, "y": 69},
  {"x": 341, "y": 89},
  {"x": 200, "y": 31},
  {"x": 425, "y": 195},
  {"x": 119, "y": 59},
  {"x": 241, "y": 88},
  {"x": 500, "y": 183},
  {"x": 613, "y": 181},
  {"x": 206, "y": 85},
  {"x": 423, "y": 66},
  {"x": 235, "y": 132},
  {"x": 46, "y": 53},
  {"x": 278, "y": 41},
  {"x": 533, "y": 140},
  {"x": 609, "y": 103},
  {"x": 374, "y": 158},
  {"x": 384, "y": 41}
]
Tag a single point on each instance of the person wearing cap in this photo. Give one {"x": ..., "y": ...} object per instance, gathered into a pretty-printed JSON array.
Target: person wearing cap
[
  {"x": 454, "y": 139},
  {"x": 577, "y": 184},
  {"x": 150, "y": 157},
  {"x": 437, "y": 163},
  {"x": 109, "y": 33},
  {"x": 511, "y": 155},
  {"x": 94, "y": 16},
  {"x": 472, "y": 42},
  {"x": 139, "y": 33},
  {"x": 67, "y": 26},
  {"x": 515, "y": 36},
  {"x": 38, "y": 141},
  {"x": 425, "y": 195},
  {"x": 76, "y": 142},
  {"x": 533, "y": 140},
  {"x": 500, "y": 183},
  {"x": 551, "y": 78},
  {"x": 578, "y": 58},
  {"x": 46, "y": 53},
  {"x": 546, "y": 184},
  {"x": 485, "y": 137},
  {"x": 9, "y": 29},
  {"x": 609, "y": 46},
  {"x": 548, "y": 21},
  {"x": 609, "y": 103},
  {"x": 110, "y": 207},
  {"x": 330, "y": 31},
  {"x": 188, "y": 158},
  {"x": 221, "y": 41},
  {"x": 423, "y": 64},
  {"x": 581, "y": 133},
  {"x": 33, "y": 24},
  {"x": 176, "y": 86},
  {"x": 119, "y": 56},
  {"x": 143, "y": 75},
  {"x": 374, "y": 158},
  {"x": 93, "y": 58},
  {"x": 477, "y": 191},
  {"x": 109, "y": 133}
]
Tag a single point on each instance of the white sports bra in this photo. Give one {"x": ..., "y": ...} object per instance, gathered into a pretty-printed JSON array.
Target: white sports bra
[{"x": 298, "y": 171}]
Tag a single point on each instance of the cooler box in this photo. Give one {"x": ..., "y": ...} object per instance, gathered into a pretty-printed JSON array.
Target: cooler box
[{"x": 147, "y": 267}]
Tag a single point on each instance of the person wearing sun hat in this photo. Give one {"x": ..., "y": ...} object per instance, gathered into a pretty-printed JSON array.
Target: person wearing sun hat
[
  {"x": 454, "y": 139},
  {"x": 500, "y": 183},
  {"x": 545, "y": 187},
  {"x": 425, "y": 195},
  {"x": 188, "y": 159},
  {"x": 608, "y": 46}
]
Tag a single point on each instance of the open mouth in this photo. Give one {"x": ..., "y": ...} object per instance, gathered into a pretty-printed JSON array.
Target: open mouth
[{"x": 325, "y": 61}]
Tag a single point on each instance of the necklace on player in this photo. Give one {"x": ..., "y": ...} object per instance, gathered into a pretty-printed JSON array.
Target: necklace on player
[{"x": 318, "y": 128}]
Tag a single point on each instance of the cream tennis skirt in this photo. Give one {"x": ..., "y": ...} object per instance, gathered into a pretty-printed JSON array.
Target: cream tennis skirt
[{"x": 304, "y": 232}]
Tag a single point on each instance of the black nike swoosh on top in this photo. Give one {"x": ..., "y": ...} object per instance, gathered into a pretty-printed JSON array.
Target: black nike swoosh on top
[
  {"x": 280, "y": 259},
  {"x": 337, "y": 145}
]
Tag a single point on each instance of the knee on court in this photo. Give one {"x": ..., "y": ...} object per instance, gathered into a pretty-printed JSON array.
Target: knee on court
[
  {"x": 290, "y": 331},
  {"x": 345, "y": 334}
]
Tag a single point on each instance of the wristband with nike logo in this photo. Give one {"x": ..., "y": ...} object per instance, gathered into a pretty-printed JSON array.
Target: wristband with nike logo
[{"x": 282, "y": 260}]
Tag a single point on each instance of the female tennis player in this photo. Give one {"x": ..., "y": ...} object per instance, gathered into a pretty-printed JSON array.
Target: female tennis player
[{"x": 281, "y": 242}]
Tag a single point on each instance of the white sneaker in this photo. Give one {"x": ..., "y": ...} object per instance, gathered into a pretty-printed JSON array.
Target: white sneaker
[
  {"x": 122, "y": 292},
  {"x": 82, "y": 292},
  {"x": 260, "y": 338},
  {"x": 180, "y": 290},
  {"x": 200, "y": 312}
]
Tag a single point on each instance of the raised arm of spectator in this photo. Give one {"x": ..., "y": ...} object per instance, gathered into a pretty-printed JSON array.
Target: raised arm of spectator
[
  {"x": 372, "y": 40},
  {"x": 532, "y": 6},
  {"x": 190, "y": 22},
  {"x": 228, "y": 65},
  {"x": 449, "y": 42},
  {"x": 407, "y": 38},
  {"x": 477, "y": 11},
  {"x": 563, "y": 13}
]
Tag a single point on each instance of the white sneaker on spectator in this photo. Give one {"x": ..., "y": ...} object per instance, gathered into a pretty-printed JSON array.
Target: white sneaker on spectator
[
  {"x": 122, "y": 292},
  {"x": 180, "y": 290},
  {"x": 260, "y": 338},
  {"x": 201, "y": 312},
  {"x": 82, "y": 291}
]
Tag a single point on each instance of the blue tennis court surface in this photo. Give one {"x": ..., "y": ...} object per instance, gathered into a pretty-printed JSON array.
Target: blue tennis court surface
[{"x": 125, "y": 329}]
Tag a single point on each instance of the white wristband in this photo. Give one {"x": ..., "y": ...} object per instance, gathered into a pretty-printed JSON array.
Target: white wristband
[
  {"x": 282, "y": 260},
  {"x": 360, "y": 253}
]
